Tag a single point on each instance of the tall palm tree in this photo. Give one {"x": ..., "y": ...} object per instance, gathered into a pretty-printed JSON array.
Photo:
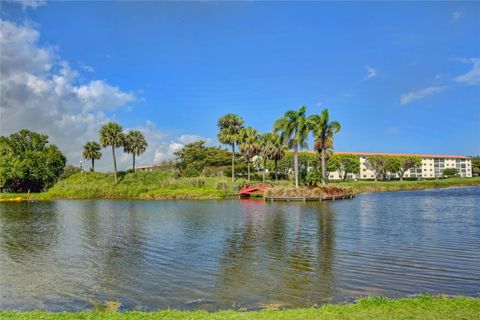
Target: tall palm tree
[
  {"x": 111, "y": 134},
  {"x": 264, "y": 151},
  {"x": 294, "y": 130},
  {"x": 323, "y": 131},
  {"x": 249, "y": 144},
  {"x": 230, "y": 126},
  {"x": 135, "y": 144},
  {"x": 275, "y": 149},
  {"x": 91, "y": 151}
]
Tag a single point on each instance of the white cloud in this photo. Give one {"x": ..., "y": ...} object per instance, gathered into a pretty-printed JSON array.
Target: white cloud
[
  {"x": 420, "y": 94},
  {"x": 87, "y": 68},
  {"x": 371, "y": 72},
  {"x": 456, "y": 15},
  {"x": 41, "y": 92},
  {"x": 472, "y": 77},
  {"x": 100, "y": 95},
  {"x": 34, "y": 4}
]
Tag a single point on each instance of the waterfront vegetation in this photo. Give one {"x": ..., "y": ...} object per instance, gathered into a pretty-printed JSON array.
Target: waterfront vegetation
[
  {"x": 165, "y": 185},
  {"x": 421, "y": 308},
  {"x": 29, "y": 164}
]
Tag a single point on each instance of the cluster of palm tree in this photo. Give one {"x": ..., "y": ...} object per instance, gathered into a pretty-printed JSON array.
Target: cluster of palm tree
[
  {"x": 112, "y": 135},
  {"x": 250, "y": 142},
  {"x": 290, "y": 131}
]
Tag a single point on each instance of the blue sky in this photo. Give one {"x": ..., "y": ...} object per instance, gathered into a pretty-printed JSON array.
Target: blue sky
[{"x": 399, "y": 77}]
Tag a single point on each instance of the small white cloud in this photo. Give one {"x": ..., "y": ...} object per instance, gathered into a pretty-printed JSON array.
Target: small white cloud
[
  {"x": 473, "y": 76},
  {"x": 456, "y": 15},
  {"x": 420, "y": 94},
  {"x": 33, "y": 4},
  {"x": 371, "y": 72},
  {"x": 190, "y": 138},
  {"x": 87, "y": 68}
]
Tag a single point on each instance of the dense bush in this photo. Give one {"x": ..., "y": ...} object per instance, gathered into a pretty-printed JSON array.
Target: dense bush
[
  {"x": 194, "y": 157},
  {"x": 68, "y": 171},
  {"x": 28, "y": 163},
  {"x": 450, "y": 172}
]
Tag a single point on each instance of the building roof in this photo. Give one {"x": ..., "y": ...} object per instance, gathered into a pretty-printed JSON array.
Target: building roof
[{"x": 404, "y": 154}]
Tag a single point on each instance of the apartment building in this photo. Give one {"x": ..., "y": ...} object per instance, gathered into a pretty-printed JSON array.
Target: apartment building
[{"x": 432, "y": 166}]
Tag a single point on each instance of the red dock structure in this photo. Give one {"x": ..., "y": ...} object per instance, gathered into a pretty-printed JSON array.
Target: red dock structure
[{"x": 255, "y": 188}]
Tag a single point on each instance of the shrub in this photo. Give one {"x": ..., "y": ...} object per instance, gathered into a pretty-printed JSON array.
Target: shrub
[
  {"x": 450, "y": 172},
  {"x": 313, "y": 178},
  {"x": 68, "y": 171}
]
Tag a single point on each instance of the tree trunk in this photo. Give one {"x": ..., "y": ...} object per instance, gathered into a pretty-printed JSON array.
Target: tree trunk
[
  {"x": 114, "y": 163},
  {"x": 345, "y": 175},
  {"x": 248, "y": 168},
  {"x": 93, "y": 164},
  {"x": 295, "y": 164},
  {"x": 324, "y": 169},
  {"x": 276, "y": 169},
  {"x": 264, "y": 168},
  {"x": 133, "y": 162},
  {"x": 401, "y": 175},
  {"x": 233, "y": 161}
]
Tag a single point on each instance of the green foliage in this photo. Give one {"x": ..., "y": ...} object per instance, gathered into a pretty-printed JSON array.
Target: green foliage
[
  {"x": 406, "y": 163},
  {"x": 313, "y": 178},
  {"x": 294, "y": 129},
  {"x": 344, "y": 164},
  {"x": 323, "y": 132},
  {"x": 69, "y": 171},
  {"x": 135, "y": 144},
  {"x": 250, "y": 145},
  {"x": 138, "y": 185},
  {"x": 28, "y": 163},
  {"x": 91, "y": 151},
  {"x": 195, "y": 159},
  {"x": 450, "y": 172},
  {"x": 476, "y": 165},
  {"x": 378, "y": 164},
  {"x": 111, "y": 134},
  {"x": 230, "y": 126}
]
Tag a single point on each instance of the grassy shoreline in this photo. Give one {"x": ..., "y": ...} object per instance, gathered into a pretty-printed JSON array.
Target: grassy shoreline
[
  {"x": 161, "y": 185},
  {"x": 424, "y": 308}
]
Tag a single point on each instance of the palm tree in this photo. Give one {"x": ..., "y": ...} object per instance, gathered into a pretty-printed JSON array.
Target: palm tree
[
  {"x": 323, "y": 131},
  {"x": 135, "y": 144},
  {"x": 91, "y": 151},
  {"x": 230, "y": 126},
  {"x": 249, "y": 144},
  {"x": 294, "y": 132},
  {"x": 275, "y": 149},
  {"x": 264, "y": 151},
  {"x": 111, "y": 134}
]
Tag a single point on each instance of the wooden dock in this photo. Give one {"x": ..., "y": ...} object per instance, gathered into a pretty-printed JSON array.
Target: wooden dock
[{"x": 305, "y": 199}]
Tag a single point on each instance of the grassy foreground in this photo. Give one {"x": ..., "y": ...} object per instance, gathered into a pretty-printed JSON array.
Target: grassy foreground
[
  {"x": 162, "y": 185},
  {"x": 422, "y": 308}
]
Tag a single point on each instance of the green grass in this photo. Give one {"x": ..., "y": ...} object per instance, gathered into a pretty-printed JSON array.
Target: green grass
[
  {"x": 162, "y": 185},
  {"x": 376, "y": 186},
  {"x": 421, "y": 308}
]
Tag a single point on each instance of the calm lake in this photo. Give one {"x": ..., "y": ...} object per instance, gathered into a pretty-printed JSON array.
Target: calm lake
[{"x": 59, "y": 255}]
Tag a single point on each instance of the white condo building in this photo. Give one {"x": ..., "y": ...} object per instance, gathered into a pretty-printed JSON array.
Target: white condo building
[{"x": 432, "y": 166}]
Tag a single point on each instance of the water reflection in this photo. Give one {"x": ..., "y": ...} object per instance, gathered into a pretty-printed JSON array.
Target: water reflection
[
  {"x": 238, "y": 254},
  {"x": 29, "y": 230}
]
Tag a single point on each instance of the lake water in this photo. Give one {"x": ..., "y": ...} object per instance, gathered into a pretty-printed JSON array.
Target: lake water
[{"x": 148, "y": 255}]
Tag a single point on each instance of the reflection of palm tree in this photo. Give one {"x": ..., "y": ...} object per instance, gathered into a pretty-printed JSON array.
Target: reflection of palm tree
[{"x": 326, "y": 250}]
